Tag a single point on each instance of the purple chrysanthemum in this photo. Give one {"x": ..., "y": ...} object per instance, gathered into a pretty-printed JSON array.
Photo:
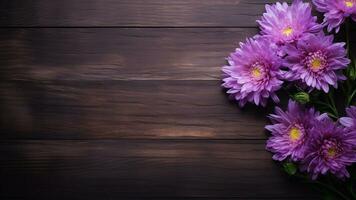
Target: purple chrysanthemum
[
  {"x": 336, "y": 11},
  {"x": 330, "y": 149},
  {"x": 316, "y": 60},
  {"x": 253, "y": 72},
  {"x": 290, "y": 131},
  {"x": 286, "y": 24},
  {"x": 350, "y": 121}
]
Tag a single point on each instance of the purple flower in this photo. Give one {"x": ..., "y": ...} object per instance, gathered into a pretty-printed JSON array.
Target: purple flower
[
  {"x": 253, "y": 72},
  {"x": 350, "y": 121},
  {"x": 316, "y": 60},
  {"x": 330, "y": 149},
  {"x": 286, "y": 24},
  {"x": 335, "y": 11},
  {"x": 290, "y": 131}
]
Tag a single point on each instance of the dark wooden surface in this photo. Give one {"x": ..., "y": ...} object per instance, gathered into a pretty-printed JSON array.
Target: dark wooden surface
[
  {"x": 158, "y": 13},
  {"x": 122, "y": 100}
]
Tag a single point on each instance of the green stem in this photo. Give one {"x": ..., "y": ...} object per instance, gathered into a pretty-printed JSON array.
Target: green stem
[
  {"x": 332, "y": 116},
  {"x": 351, "y": 189},
  {"x": 350, "y": 98},
  {"x": 328, "y": 187},
  {"x": 324, "y": 104},
  {"x": 331, "y": 97},
  {"x": 298, "y": 88},
  {"x": 328, "y": 106},
  {"x": 332, "y": 189},
  {"x": 350, "y": 93}
]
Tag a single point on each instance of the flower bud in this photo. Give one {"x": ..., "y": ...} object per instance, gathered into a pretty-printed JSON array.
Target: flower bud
[{"x": 301, "y": 97}]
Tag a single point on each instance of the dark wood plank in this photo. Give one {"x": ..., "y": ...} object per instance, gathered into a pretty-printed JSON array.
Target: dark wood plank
[
  {"x": 231, "y": 13},
  {"x": 117, "y": 54},
  {"x": 152, "y": 169},
  {"x": 125, "y": 109}
]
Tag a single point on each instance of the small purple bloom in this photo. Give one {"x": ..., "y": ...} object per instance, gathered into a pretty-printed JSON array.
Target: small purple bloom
[
  {"x": 290, "y": 131},
  {"x": 253, "y": 72},
  {"x": 350, "y": 121},
  {"x": 330, "y": 149},
  {"x": 316, "y": 60},
  {"x": 286, "y": 24},
  {"x": 336, "y": 11}
]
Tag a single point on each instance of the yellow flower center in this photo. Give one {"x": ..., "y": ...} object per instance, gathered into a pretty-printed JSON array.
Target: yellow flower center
[
  {"x": 294, "y": 134},
  {"x": 316, "y": 61},
  {"x": 331, "y": 152},
  {"x": 287, "y": 31},
  {"x": 316, "y": 64},
  {"x": 349, "y": 4},
  {"x": 256, "y": 72}
]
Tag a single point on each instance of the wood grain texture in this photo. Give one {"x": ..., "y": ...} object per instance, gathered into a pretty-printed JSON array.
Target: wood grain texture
[
  {"x": 125, "y": 109},
  {"x": 231, "y": 13},
  {"x": 49, "y": 54},
  {"x": 121, "y": 99},
  {"x": 117, "y": 54},
  {"x": 140, "y": 169}
]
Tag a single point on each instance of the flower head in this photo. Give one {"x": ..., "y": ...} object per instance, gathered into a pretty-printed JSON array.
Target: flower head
[
  {"x": 290, "y": 131},
  {"x": 336, "y": 11},
  {"x": 253, "y": 72},
  {"x": 330, "y": 149},
  {"x": 286, "y": 24},
  {"x": 350, "y": 121},
  {"x": 316, "y": 60}
]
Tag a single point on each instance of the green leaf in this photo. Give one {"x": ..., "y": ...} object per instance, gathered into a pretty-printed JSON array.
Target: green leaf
[
  {"x": 332, "y": 115},
  {"x": 352, "y": 69},
  {"x": 352, "y": 72},
  {"x": 352, "y": 95},
  {"x": 290, "y": 168}
]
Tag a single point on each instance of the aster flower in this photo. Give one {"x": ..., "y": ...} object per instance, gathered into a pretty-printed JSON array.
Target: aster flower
[
  {"x": 336, "y": 11},
  {"x": 290, "y": 131},
  {"x": 286, "y": 24},
  {"x": 253, "y": 72},
  {"x": 316, "y": 61},
  {"x": 350, "y": 121},
  {"x": 330, "y": 149}
]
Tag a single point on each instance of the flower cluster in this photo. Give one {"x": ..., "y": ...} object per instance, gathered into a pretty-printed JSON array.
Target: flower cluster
[
  {"x": 290, "y": 47},
  {"x": 313, "y": 140},
  {"x": 293, "y": 50}
]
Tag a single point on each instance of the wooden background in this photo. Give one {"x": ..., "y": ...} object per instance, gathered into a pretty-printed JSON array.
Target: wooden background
[{"x": 121, "y": 100}]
